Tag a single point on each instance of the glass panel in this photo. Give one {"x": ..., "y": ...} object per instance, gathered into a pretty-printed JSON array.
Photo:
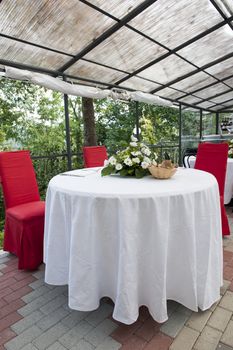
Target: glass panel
[
  {"x": 65, "y": 25},
  {"x": 139, "y": 84},
  {"x": 209, "y": 124},
  {"x": 27, "y": 54},
  {"x": 210, "y": 47},
  {"x": 93, "y": 71},
  {"x": 229, "y": 103},
  {"x": 212, "y": 90},
  {"x": 223, "y": 98},
  {"x": 125, "y": 50},
  {"x": 226, "y": 6},
  {"x": 206, "y": 104},
  {"x": 190, "y": 130},
  {"x": 166, "y": 70},
  {"x": 170, "y": 93},
  {"x": 223, "y": 69},
  {"x": 194, "y": 82},
  {"x": 173, "y": 22},
  {"x": 229, "y": 82},
  {"x": 190, "y": 99},
  {"x": 121, "y": 9}
]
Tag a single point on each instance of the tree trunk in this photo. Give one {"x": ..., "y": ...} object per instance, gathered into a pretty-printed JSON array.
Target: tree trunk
[{"x": 89, "y": 122}]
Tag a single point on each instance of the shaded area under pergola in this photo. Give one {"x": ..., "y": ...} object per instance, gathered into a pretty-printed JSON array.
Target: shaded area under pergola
[{"x": 181, "y": 51}]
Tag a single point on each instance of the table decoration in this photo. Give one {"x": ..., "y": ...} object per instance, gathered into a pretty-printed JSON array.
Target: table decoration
[
  {"x": 165, "y": 170},
  {"x": 230, "y": 151},
  {"x": 132, "y": 161}
]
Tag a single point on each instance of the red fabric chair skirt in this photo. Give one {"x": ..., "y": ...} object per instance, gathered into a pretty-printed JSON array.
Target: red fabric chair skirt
[
  {"x": 24, "y": 230},
  {"x": 225, "y": 224}
]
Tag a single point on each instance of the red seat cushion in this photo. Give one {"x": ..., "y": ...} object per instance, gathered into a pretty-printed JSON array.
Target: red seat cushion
[{"x": 27, "y": 211}]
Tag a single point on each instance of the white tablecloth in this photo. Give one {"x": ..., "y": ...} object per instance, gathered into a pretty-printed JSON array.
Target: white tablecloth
[
  {"x": 228, "y": 192},
  {"x": 137, "y": 241}
]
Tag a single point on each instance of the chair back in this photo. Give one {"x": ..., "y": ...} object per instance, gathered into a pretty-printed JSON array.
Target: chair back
[
  {"x": 18, "y": 178},
  {"x": 212, "y": 158},
  {"x": 94, "y": 156},
  {"x": 188, "y": 152}
]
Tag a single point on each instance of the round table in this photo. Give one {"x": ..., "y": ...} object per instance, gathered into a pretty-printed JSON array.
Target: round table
[{"x": 137, "y": 241}]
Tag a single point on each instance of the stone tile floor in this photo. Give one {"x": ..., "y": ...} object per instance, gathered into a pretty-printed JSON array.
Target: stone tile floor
[{"x": 35, "y": 316}]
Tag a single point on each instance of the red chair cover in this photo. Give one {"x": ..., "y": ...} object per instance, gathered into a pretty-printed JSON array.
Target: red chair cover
[
  {"x": 24, "y": 219},
  {"x": 213, "y": 159},
  {"x": 94, "y": 156}
]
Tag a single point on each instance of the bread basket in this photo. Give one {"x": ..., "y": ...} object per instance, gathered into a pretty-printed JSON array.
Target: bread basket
[{"x": 160, "y": 172}]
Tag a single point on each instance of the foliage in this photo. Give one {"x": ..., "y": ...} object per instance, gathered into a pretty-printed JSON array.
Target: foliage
[
  {"x": 230, "y": 151},
  {"x": 132, "y": 161},
  {"x": 1, "y": 239}
]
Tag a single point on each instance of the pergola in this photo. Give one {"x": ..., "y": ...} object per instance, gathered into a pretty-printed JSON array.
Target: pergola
[{"x": 178, "y": 50}]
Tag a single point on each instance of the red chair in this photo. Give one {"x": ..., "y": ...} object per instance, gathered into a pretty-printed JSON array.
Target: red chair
[
  {"x": 213, "y": 159},
  {"x": 24, "y": 211},
  {"x": 94, "y": 156}
]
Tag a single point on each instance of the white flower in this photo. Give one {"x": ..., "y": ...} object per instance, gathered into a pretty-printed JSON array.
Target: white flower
[
  {"x": 137, "y": 153},
  {"x": 133, "y": 144},
  {"x": 136, "y": 160},
  {"x": 230, "y": 151},
  {"x": 134, "y": 139},
  {"x": 154, "y": 162},
  {"x": 146, "y": 151},
  {"x": 145, "y": 165},
  {"x": 146, "y": 160},
  {"x": 155, "y": 155},
  {"x": 128, "y": 161},
  {"x": 106, "y": 162},
  {"x": 119, "y": 166},
  {"x": 112, "y": 160}
]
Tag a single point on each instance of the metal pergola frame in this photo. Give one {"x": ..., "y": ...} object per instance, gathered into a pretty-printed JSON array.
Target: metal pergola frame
[{"x": 215, "y": 107}]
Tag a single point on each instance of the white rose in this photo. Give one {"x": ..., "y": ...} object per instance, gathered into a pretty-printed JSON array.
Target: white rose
[
  {"x": 119, "y": 166},
  {"x": 133, "y": 144},
  {"x": 145, "y": 165},
  {"x": 136, "y": 160},
  {"x": 112, "y": 160},
  {"x": 135, "y": 154},
  {"x": 147, "y": 152},
  {"x": 146, "y": 159},
  {"x": 106, "y": 162},
  {"x": 154, "y": 162},
  {"x": 134, "y": 139},
  {"x": 128, "y": 161}
]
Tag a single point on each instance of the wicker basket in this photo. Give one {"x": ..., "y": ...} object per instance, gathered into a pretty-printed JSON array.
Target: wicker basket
[{"x": 161, "y": 173}]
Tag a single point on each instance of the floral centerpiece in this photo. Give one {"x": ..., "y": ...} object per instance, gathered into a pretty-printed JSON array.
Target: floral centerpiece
[
  {"x": 230, "y": 151},
  {"x": 132, "y": 161}
]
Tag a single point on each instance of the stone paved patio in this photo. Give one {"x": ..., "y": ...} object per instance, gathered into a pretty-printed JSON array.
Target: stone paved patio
[{"x": 34, "y": 315}]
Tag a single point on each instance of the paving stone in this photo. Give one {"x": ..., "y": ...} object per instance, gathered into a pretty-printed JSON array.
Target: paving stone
[
  {"x": 223, "y": 347},
  {"x": 171, "y": 307},
  {"x": 83, "y": 345},
  {"x": 27, "y": 322},
  {"x": 185, "y": 339},
  {"x": 29, "y": 346},
  {"x": 50, "y": 336},
  {"x": 208, "y": 339},
  {"x": 73, "y": 318},
  {"x": 148, "y": 329},
  {"x": 198, "y": 320},
  {"x": 109, "y": 344},
  {"x": 35, "y": 294},
  {"x": 213, "y": 307},
  {"x": 39, "y": 283},
  {"x": 134, "y": 342},
  {"x": 227, "y": 301},
  {"x": 95, "y": 317},
  {"x": 2, "y": 266},
  {"x": 227, "y": 337},
  {"x": 23, "y": 339},
  {"x": 98, "y": 334},
  {"x": 56, "y": 346},
  {"x": 224, "y": 287},
  {"x": 8, "y": 320},
  {"x": 39, "y": 302},
  {"x": 159, "y": 342},
  {"x": 38, "y": 274},
  {"x": 174, "y": 324},
  {"x": 74, "y": 335},
  {"x": 4, "y": 259},
  {"x": 220, "y": 318},
  {"x": 124, "y": 332},
  {"x": 53, "y": 305},
  {"x": 50, "y": 320}
]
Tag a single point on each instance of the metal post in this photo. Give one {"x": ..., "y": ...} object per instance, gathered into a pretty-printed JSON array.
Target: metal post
[
  {"x": 67, "y": 124},
  {"x": 201, "y": 124},
  {"x": 137, "y": 120},
  {"x": 180, "y": 134},
  {"x": 217, "y": 122}
]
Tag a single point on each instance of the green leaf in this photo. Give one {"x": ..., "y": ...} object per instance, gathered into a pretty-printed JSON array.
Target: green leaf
[
  {"x": 124, "y": 172},
  {"x": 139, "y": 173},
  {"x": 107, "y": 171}
]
